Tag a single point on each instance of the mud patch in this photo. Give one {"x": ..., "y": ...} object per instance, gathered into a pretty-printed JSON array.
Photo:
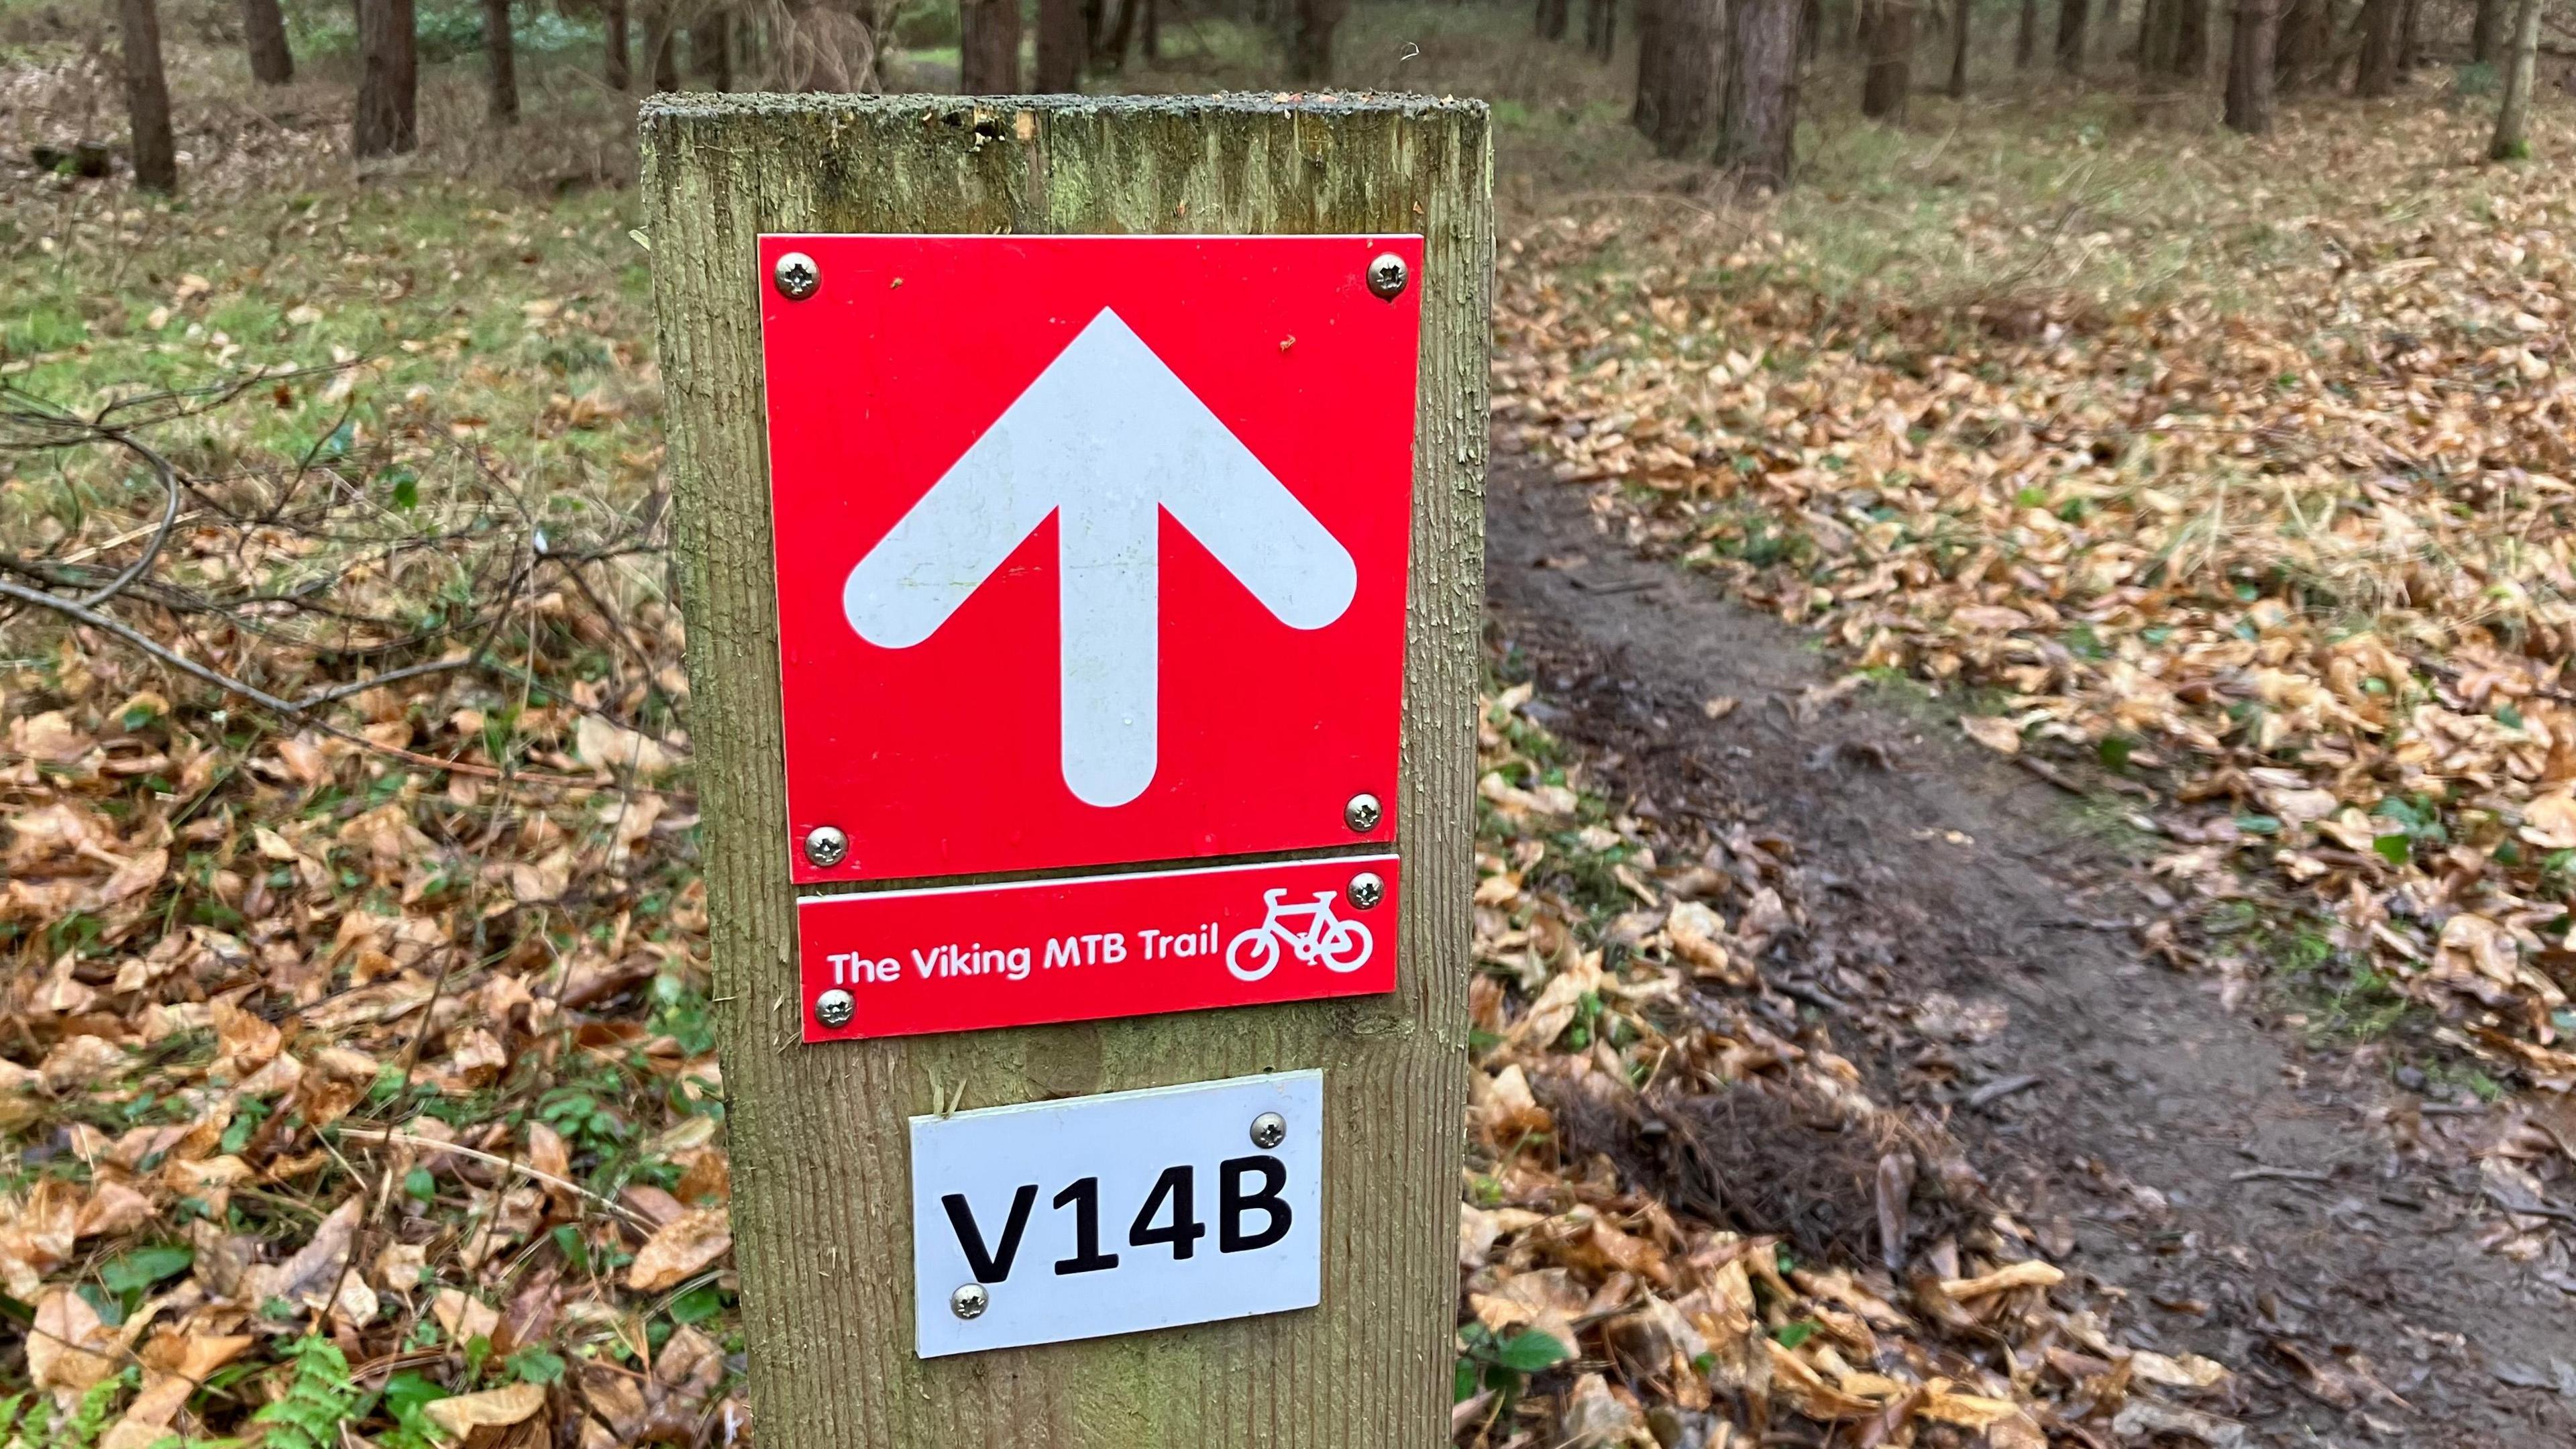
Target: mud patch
[{"x": 1747, "y": 1159}]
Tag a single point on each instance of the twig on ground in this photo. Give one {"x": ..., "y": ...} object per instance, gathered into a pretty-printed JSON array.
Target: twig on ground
[
  {"x": 393, "y": 1138},
  {"x": 2280, "y": 1174},
  {"x": 2002, "y": 1087}
]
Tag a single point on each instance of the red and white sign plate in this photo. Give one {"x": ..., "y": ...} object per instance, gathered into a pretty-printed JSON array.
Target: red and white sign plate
[
  {"x": 1078, "y": 950},
  {"x": 1090, "y": 551}
]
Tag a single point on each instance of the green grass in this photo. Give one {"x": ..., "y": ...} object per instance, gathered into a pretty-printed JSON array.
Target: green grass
[
  {"x": 474, "y": 313},
  {"x": 2338, "y": 1000}
]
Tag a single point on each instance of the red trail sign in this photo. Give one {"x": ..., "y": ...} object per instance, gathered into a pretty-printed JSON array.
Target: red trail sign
[{"x": 1091, "y": 551}]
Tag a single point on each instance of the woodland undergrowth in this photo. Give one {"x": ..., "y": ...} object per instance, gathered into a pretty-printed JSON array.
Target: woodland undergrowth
[{"x": 355, "y": 1058}]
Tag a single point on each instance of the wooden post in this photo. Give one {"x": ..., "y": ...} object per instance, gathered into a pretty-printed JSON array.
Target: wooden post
[{"x": 821, "y": 1209}]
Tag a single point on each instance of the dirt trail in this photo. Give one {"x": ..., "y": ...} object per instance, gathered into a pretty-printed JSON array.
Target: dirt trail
[{"x": 2245, "y": 1194}]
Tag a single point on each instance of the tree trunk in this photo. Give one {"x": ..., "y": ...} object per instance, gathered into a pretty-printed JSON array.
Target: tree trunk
[
  {"x": 1681, "y": 66},
  {"x": 147, "y": 96},
  {"x": 2026, "y": 39},
  {"x": 1095, "y": 23},
  {"x": 1600, "y": 27},
  {"x": 1551, "y": 19},
  {"x": 1891, "y": 62},
  {"x": 2191, "y": 38},
  {"x": 2486, "y": 34},
  {"x": 1959, "y": 50},
  {"x": 2409, "y": 39},
  {"x": 661, "y": 52},
  {"x": 500, "y": 51},
  {"x": 988, "y": 46},
  {"x": 1114, "y": 50},
  {"x": 2306, "y": 39},
  {"x": 264, "y": 34},
  {"x": 1647, "y": 110},
  {"x": 1811, "y": 28},
  {"x": 711, "y": 49},
  {"x": 2522, "y": 73},
  {"x": 2156, "y": 36},
  {"x": 2070, "y": 36},
  {"x": 1061, "y": 46},
  {"x": 2249, "y": 67},
  {"x": 1762, "y": 93},
  {"x": 387, "y": 120},
  {"x": 1310, "y": 45},
  {"x": 1151, "y": 41},
  {"x": 2374, "y": 74},
  {"x": 612, "y": 22}
]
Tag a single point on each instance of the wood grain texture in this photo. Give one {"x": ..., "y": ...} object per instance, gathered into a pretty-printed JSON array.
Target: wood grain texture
[{"x": 818, "y": 1133}]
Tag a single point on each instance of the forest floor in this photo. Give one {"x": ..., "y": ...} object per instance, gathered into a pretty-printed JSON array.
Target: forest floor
[
  {"x": 2251, "y": 1194},
  {"x": 2027, "y": 671}
]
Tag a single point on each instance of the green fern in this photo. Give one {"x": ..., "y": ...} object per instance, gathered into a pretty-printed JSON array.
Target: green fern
[
  {"x": 90, "y": 1419},
  {"x": 27, "y": 1432},
  {"x": 318, "y": 1399},
  {"x": 40, "y": 1429}
]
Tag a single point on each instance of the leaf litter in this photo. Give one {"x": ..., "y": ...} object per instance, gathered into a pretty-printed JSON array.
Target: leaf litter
[
  {"x": 311, "y": 1052},
  {"x": 357, "y": 1070},
  {"x": 339, "y": 1117}
]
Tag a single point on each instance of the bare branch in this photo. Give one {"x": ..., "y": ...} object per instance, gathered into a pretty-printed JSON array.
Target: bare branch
[
  {"x": 312, "y": 556},
  {"x": 160, "y": 535},
  {"x": 110, "y": 624}
]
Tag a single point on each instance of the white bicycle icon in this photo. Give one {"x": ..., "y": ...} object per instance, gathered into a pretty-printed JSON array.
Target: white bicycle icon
[{"x": 1327, "y": 940}]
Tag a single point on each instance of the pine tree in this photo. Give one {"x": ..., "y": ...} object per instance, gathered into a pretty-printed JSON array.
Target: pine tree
[
  {"x": 272, "y": 63},
  {"x": 2513, "y": 113},
  {"x": 147, "y": 96},
  {"x": 387, "y": 120}
]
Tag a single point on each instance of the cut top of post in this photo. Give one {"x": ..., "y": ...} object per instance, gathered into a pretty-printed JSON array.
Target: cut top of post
[
  {"x": 1072, "y": 164},
  {"x": 932, "y": 108}
]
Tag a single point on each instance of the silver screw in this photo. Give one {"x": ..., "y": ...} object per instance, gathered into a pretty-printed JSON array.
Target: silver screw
[
  {"x": 1362, "y": 813},
  {"x": 798, "y": 278},
  {"x": 1366, "y": 889},
  {"x": 826, "y": 846},
  {"x": 835, "y": 1007},
  {"x": 1269, "y": 1130},
  {"x": 969, "y": 1301},
  {"x": 1386, "y": 275}
]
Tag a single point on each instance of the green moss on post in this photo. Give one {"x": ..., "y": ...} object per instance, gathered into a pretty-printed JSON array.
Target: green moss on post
[{"x": 820, "y": 1177}]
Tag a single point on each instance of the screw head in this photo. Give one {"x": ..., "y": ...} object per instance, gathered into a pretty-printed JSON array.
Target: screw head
[
  {"x": 1387, "y": 275},
  {"x": 835, "y": 1007},
  {"x": 1363, "y": 813},
  {"x": 826, "y": 846},
  {"x": 1269, "y": 1130},
  {"x": 1366, "y": 889},
  {"x": 969, "y": 1301},
  {"x": 797, "y": 277}
]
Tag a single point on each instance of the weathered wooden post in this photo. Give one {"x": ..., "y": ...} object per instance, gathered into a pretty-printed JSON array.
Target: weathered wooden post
[{"x": 1083, "y": 643}]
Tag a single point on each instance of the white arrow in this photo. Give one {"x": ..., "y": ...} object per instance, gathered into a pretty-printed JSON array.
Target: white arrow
[{"x": 1104, "y": 436}]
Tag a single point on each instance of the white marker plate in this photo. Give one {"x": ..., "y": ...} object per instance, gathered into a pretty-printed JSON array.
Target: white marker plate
[{"x": 1117, "y": 1214}]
